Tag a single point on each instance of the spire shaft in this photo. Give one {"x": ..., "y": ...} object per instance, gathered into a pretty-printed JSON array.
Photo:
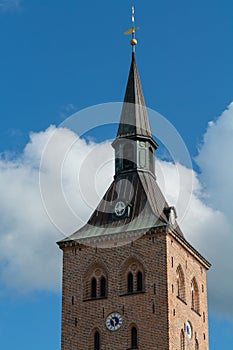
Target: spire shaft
[{"x": 134, "y": 118}]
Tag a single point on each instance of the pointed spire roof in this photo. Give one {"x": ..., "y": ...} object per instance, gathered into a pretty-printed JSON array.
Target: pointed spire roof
[{"x": 134, "y": 118}]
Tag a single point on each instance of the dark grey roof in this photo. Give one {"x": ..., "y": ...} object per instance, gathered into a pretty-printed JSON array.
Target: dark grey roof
[
  {"x": 147, "y": 205},
  {"x": 148, "y": 210},
  {"x": 134, "y": 118}
]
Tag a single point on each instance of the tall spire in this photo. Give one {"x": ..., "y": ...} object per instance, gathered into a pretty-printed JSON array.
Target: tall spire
[{"x": 134, "y": 120}]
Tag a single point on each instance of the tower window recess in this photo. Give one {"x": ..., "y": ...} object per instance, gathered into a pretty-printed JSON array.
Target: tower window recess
[
  {"x": 139, "y": 281},
  {"x": 153, "y": 308},
  {"x": 93, "y": 287},
  {"x": 195, "y": 296},
  {"x": 196, "y": 345},
  {"x": 180, "y": 283},
  {"x": 130, "y": 282},
  {"x": 132, "y": 277},
  {"x": 182, "y": 340},
  {"x": 96, "y": 341},
  {"x": 103, "y": 287},
  {"x": 134, "y": 338},
  {"x": 95, "y": 282}
]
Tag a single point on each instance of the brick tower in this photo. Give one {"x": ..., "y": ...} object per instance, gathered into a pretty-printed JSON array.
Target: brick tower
[{"x": 130, "y": 278}]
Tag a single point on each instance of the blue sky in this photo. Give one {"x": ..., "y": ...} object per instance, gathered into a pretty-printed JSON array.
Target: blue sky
[{"x": 58, "y": 57}]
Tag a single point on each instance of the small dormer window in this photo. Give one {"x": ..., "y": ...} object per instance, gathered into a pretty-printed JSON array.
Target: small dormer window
[{"x": 172, "y": 216}]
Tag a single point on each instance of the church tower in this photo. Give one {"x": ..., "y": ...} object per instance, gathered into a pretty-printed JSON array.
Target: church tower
[{"x": 130, "y": 278}]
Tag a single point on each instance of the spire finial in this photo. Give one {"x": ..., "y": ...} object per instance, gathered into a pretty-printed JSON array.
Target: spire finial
[{"x": 132, "y": 31}]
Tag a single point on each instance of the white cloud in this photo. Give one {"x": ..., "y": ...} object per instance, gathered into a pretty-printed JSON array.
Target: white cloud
[
  {"x": 9, "y": 5},
  {"x": 29, "y": 255},
  {"x": 208, "y": 223},
  {"x": 209, "y": 230},
  {"x": 72, "y": 170},
  {"x": 215, "y": 162}
]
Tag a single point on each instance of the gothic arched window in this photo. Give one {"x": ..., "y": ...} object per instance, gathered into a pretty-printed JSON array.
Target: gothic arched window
[
  {"x": 93, "y": 287},
  {"x": 103, "y": 291},
  {"x": 182, "y": 340},
  {"x": 134, "y": 338},
  {"x": 180, "y": 283},
  {"x": 95, "y": 282},
  {"x": 132, "y": 276},
  {"x": 195, "y": 296},
  {"x": 96, "y": 340},
  {"x": 130, "y": 282},
  {"x": 139, "y": 281}
]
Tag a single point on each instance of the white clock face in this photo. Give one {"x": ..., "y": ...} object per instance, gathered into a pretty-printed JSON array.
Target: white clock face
[
  {"x": 188, "y": 329},
  {"x": 120, "y": 208},
  {"x": 114, "y": 321}
]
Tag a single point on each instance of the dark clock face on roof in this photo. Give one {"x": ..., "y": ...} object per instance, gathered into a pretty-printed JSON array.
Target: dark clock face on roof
[
  {"x": 114, "y": 321},
  {"x": 120, "y": 208}
]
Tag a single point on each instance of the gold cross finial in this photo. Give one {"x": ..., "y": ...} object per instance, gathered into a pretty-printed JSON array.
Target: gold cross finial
[{"x": 132, "y": 31}]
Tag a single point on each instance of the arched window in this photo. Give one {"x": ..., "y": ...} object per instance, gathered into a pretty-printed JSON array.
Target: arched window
[
  {"x": 130, "y": 283},
  {"x": 103, "y": 291},
  {"x": 132, "y": 276},
  {"x": 134, "y": 338},
  {"x": 96, "y": 341},
  {"x": 180, "y": 283},
  {"x": 95, "y": 284},
  {"x": 196, "y": 345},
  {"x": 139, "y": 281},
  {"x": 182, "y": 340},
  {"x": 195, "y": 296},
  {"x": 93, "y": 287}
]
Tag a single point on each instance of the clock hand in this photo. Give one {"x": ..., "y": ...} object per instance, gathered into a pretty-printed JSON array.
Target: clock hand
[{"x": 114, "y": 321}]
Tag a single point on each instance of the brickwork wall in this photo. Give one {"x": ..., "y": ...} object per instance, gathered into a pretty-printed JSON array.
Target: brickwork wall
[
  {"x": 180, "y": 312},
  {"x": 147, "y": 310},
  {"x": 156, "y": 312}
]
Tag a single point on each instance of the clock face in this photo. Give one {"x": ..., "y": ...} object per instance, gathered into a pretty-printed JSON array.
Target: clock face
[
  {"x": 114, "y": 321},
  {"x": 188, "y": 329},
  {"x": 120, "y": 208}
]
